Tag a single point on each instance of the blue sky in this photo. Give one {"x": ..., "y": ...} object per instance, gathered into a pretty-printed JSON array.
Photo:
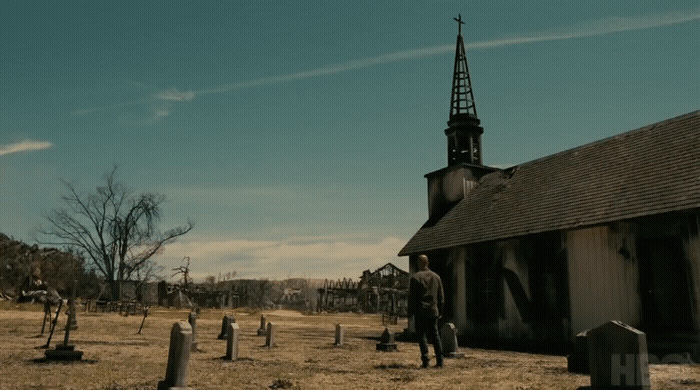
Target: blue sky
[{"x": 296, "y": 134}]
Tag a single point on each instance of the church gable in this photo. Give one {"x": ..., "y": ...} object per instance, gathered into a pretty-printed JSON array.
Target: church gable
[{"x": 652, "y": 170}]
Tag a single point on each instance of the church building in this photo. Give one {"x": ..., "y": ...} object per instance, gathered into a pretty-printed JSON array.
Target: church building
[{"x": 534, "y": 254}]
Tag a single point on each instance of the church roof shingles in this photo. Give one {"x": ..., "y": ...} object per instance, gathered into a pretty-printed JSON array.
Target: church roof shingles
[{"x": 651, "y": 170}]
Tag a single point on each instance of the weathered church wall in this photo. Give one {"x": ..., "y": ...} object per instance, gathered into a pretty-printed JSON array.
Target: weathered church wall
[
  {"x": 603, "y": 276},
  {"x": 516, "y": 292},
  {"x": 448, "y": 187},
  {"x": 691, "y": 247}
]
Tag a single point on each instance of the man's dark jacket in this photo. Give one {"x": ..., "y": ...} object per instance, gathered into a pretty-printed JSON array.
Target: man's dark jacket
[{"x": 426, "y": 296}]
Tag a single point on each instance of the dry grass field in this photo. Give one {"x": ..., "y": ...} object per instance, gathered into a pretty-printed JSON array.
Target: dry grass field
[{"x": 119, "y": 358}]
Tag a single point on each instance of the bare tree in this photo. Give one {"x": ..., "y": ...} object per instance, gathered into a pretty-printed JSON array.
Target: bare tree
[
  {"x": 113, "y": 228},
  {"x": 184, "y": 270}
]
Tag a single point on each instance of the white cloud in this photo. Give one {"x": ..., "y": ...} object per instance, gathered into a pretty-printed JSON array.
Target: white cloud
[
  {"x": 588, "y": 29},
  {"x": 160, "y": 113},
  {"x": 24, "y": 146},
  {"x": 597, "y": 27},
  {"x": 175, "y": 95},
  {"x": 313, "y": 257}
]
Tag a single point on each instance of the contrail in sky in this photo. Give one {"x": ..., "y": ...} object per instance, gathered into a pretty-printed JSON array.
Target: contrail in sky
[
  {"x": 24, "y": 146},
  {"x": 588, "y": 29}
]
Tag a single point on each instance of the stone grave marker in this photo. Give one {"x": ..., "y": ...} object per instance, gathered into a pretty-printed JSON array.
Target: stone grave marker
[
  {"x": 270, "y": 340},
  {"x": 618, "y": 357},
  {"x": 178, "y": 358},
  {"x": 410, "y": 330},
  {"x": 577, "y": 361},
  {"x": 233, "y": 334},
  {"x": 448, "y": 336},
  {"x": 262, "y": 329},
  {"x": 386, "y": 341},
  {"x": 193, "y": 323},
  {"x": 225, "y": 322},
  {"x": 339, "y": 335},
  {"x": 72, "y": 319}
]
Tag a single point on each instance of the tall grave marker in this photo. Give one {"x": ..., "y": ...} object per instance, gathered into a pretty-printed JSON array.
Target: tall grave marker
[
  {"x": 178, "y": 358},
  {"x": 618, "y": 357}
]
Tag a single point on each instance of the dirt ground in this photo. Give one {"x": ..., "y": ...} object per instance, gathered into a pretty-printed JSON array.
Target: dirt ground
[{"x": 116, "y": 357}]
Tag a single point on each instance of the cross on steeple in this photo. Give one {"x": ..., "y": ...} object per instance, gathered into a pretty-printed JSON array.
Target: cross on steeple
[
  {"x": 462, "y": 101},
  {"x": 463, "y": 132},
  {"x": 460, "y": 23}
]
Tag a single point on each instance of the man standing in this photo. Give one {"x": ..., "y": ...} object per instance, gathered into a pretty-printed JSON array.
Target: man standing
[{"x": 425, "y": 302}]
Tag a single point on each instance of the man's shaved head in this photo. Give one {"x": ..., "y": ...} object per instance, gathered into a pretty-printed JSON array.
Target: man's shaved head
[{"x": 423, "y": 262}]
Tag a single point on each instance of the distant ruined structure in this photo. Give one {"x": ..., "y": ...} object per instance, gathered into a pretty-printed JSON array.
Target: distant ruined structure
[{"x": 383, "y": 291}]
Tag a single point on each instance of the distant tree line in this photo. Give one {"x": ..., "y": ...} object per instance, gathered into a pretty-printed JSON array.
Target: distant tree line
[{"x": 24, "y": 268}]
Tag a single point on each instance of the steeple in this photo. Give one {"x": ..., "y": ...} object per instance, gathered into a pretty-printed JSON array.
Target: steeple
[{"x": 463, "y": 132}]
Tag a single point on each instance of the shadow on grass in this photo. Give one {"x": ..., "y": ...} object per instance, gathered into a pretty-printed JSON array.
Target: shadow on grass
[
  {"x": 46, "y": 361},
  {"x": 395, "y": 366},
  {"x": 243, "y": 359},
  {"x": 331, "y": 346}
]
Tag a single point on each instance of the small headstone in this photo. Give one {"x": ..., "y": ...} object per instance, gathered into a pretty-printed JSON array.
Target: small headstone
[
  {"x": 577, "y": 361},
  {"x": 193, "y": 322},
  {"x": 271, "y": 333},
  {"x": 386, "y": 341},
  {"x": 448, "y": 336},
  {"x": 618, "y": 357},
  {"x": 72, "y": 319},
  {"x": 234, "y": 332},
  {"x": 339, "y": 335},
  {"x": 225, "y": 322},
  {"x": 262, "y": 330},
  {"x": 178, "y": 358}
]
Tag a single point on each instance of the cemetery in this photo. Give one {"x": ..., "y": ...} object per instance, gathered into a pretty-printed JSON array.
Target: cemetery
[
  {"x": 304, "y": 351},
  {"x": 576, "y": 268}
]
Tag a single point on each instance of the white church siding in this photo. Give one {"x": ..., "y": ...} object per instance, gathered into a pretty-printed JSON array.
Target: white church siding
[
  {"x": 459, "y": 257},
  {"x": 603, "y": 284}
]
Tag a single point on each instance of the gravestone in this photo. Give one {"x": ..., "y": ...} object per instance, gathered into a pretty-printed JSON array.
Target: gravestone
[
  {"x": 386, "y": 341},
  {"x": 72, "y": 319},
  {"x": 271, "y": 333},
  {"x": 448, "y": 336},
  {"x": 233, "y": 334},
  {"x": 618, "y": 357},
  {"x": 262, "y": 329},
  {"x": 339, "y": 335},
  {"x": 577, "y": 361},
  {"x": 193, "y": 323},
  {"x": 225, "y": 322},
  {"x": 178, "y": 358}
]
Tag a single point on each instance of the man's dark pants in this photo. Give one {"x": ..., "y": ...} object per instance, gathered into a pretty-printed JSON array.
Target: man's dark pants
[{"x": 427, "y": 327}]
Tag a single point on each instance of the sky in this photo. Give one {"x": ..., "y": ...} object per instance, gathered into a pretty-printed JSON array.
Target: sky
[{"x": 296, "y": 134}]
